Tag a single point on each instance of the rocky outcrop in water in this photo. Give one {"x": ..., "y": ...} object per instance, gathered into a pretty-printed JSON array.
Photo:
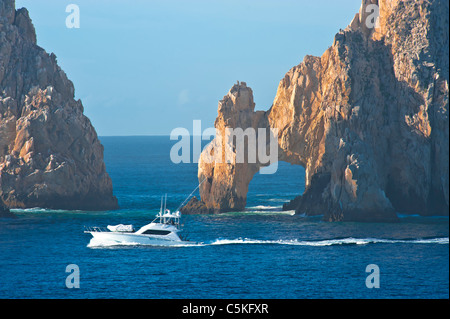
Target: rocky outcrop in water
[
  {"x": 4, "y": 211},
  {"x": 195, "y": 206},
  {"x": 226, "y": 185},
  {"x": 368, "y": 120},
  {"x": 50, "y": 155}
]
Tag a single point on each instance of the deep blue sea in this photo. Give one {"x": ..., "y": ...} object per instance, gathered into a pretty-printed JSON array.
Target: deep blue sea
[{"x": 261, "y": 252}]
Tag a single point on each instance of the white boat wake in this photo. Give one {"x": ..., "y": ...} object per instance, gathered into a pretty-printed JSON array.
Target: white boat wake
[
  {"x": 295, "y": 242},
  {"x": 331, "y": 242}
]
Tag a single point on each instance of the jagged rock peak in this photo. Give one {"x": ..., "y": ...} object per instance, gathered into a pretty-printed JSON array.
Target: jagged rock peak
[
  {"x": 50, "y": 155},
  {"x": 239, "y": 98}
]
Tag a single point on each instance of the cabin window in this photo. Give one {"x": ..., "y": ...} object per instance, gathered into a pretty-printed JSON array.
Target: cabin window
[{"x": 156, "y": 232}]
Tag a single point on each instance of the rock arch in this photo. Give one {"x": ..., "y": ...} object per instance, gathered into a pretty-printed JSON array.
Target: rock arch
[{"x": 368, "y": 120}]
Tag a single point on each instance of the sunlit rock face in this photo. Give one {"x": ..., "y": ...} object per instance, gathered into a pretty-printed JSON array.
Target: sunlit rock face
[
  {"x": 50, "y": 155},
  {"x": 368, "y": 120}
]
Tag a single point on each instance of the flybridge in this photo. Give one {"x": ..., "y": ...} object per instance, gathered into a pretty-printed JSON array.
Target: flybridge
[{"x": 166, "y": 217}]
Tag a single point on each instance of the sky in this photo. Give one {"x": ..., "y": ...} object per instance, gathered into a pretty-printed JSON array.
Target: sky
[{"x": 146, "y": 67}]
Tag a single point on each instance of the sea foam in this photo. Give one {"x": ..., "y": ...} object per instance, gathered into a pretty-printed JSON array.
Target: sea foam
[
  {"x": 331, "y": 242},
  {"x": 294, "y": 242}
]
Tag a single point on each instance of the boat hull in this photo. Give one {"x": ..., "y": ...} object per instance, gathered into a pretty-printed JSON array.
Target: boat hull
[{"x": 117, "y": 238}]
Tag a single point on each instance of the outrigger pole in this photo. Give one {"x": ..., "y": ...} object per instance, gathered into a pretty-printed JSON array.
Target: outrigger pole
[
  {"x": 190, "y": 195},
  {"x": 165, "y": 203}
]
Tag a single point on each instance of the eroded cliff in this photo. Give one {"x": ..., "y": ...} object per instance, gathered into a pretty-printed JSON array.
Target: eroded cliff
[
  {"x": 368, "y": 120},
  {"x": 50, "y": 155}
]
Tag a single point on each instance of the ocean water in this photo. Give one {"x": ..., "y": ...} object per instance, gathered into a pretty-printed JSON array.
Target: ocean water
[{"x": 261, "y": 252}]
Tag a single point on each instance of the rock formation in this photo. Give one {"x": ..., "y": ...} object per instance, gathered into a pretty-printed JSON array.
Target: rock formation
[
  {"x": 227, "y": 184},
  {"x": 368, "y": 120},
  {"x": 195, "y": 206},
  {"x": 4, "y": 211},
  {"x": 50, "y": 155}
]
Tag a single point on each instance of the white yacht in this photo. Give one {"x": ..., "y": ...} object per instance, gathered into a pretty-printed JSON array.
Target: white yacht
[{"x": 162, "y": 231}]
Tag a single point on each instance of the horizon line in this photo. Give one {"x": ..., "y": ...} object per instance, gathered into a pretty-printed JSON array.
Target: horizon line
[{"x": 143, "y": 135}]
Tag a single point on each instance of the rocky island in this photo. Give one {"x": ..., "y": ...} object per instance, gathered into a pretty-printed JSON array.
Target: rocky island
[
  {"x": 50, "y": 155},
  {"x": 368, "y": 120}
]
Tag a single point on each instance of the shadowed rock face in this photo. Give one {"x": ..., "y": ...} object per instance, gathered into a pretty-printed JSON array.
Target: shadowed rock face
[
  {"x": 50, "y": 155},
  {"x": 368, "y": 120},
  {"x": 4, "y": 211},
  {"x": 194, "y": 206}
]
